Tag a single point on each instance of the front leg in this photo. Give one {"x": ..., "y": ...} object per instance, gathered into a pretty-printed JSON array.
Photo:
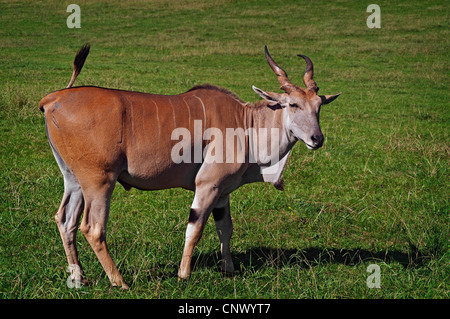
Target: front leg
[
  {"x": 204, "y": 200},
  {"x": 224, "y": 228}
]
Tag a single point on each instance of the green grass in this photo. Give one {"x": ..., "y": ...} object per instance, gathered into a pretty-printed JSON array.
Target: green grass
[{"x": 377, "y": 192}]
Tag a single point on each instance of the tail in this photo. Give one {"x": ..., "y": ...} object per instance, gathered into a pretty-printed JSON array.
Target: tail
[{"x": 79, "y": 62}]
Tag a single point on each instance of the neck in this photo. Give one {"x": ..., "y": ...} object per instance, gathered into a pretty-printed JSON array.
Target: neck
[{"x": 272, "y": 137}]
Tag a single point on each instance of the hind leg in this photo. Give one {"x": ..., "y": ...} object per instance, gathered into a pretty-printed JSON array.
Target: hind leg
[
  {"x": 97, "y": 194},
  {"x": 68, "y": 217}
]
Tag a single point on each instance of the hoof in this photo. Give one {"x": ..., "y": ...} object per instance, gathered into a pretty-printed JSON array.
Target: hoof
[
  {"x": 122, "y": 285},
  {"x": 183, "y": 275}
]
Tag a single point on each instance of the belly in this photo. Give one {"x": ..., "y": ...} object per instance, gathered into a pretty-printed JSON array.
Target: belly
[{"x": 178, "y": 175}]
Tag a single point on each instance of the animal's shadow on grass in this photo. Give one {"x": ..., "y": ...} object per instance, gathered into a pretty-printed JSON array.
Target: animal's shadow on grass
[{"x": 260, "y": 258}]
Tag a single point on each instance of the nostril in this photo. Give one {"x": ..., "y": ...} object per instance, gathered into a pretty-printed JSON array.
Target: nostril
[{"x": 317, "y": 139}]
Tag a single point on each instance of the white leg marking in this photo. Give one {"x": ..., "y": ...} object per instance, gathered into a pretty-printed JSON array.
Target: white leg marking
[
  {"x": 195, "y": 203},
  {"x": 189, "y": 231}
]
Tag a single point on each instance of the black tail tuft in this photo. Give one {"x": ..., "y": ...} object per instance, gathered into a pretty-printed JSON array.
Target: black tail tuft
[
  {"x": 81, "y": 57},
  {"x": 78, "y": 63}
]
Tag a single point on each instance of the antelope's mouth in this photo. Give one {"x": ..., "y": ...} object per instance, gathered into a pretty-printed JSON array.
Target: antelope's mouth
[{"x": 311, "y": 147}]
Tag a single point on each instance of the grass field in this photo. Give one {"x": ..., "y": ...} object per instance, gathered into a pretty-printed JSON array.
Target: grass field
[{"x": 375, "y": 193}]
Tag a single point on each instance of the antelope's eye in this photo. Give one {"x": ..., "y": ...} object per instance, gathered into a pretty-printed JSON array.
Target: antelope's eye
[{"x": 295, "y": 105}]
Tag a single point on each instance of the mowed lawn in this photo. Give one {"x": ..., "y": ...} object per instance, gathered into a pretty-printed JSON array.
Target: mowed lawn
[{"x": 375, "y": 193}]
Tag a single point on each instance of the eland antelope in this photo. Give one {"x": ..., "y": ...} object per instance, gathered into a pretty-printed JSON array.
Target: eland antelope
[{"x": 99, "y": 136}]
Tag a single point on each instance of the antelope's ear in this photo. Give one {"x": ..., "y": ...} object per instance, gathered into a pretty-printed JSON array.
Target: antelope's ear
[
  {"x": 269, "y": 96},
  {"x": 329, "y": 98}
]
